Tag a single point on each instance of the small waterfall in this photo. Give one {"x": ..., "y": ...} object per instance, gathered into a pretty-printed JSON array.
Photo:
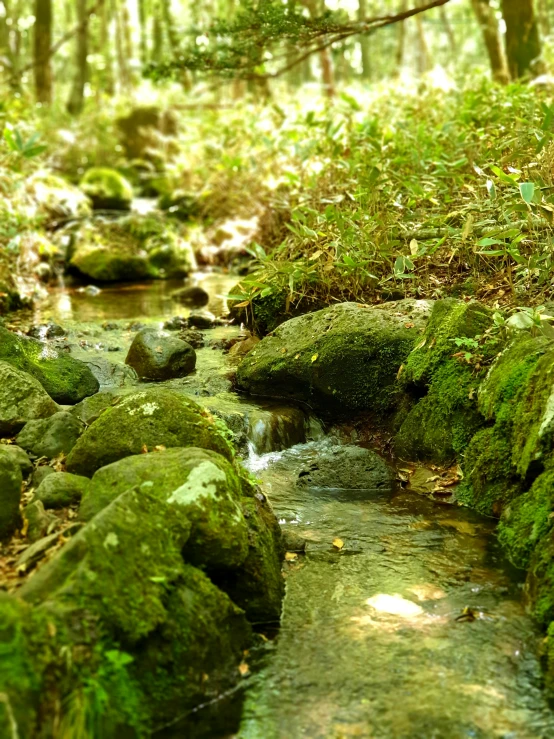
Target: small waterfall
[{"x": 276, "y": 429}]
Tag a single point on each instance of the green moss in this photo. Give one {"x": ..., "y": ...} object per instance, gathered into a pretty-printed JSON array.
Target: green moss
[
  {"x": 539, "y": 585},
  {"x": 65, "y": 379},
  {"x": 266, "y": 313},
  {"x": 450, "y": 319},
  {"x": 489, "y": 482},
  {"x": 441, "y": 425},
  {"x": 107, "y": 188},
  {"x": 527, "y": 519},
  {"x": 146, "y": 419}
]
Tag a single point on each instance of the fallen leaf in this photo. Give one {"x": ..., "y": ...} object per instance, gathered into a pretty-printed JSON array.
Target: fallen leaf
[
  {"x": 409, "y": 325},
  {"x": 400, "y": 370},
  {"x": 314, "y": 357},
  {"x": 291, "y": 556},
  {"x": 144, "y": 449},
  {"x": 244, "y": 669},
  {"x": 159, "y": 448},
  {"x": 297, "y": 356},
  {"x": 338, "y": 543},
  {"x": 283, "y": 350}
]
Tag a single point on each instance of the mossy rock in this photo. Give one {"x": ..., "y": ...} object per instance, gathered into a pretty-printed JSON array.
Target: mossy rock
[
  {"x": 107, "y": 189},
  {"x": 265, "y": 313},
  {"x": 10, "y": 494},
  {"x": 450, "y": 319},
  {"x": 203, "y": 484},
  {"x": 65, "y": 379},
  {"x": 341, "y": 359},
  {"x": 61, "y": 489},
  {"x": 50, "y": 437},
  {"x": 10, "y": 298},
  {"x": 56, "y": 198},
  {"x": 122, "y": 581},
  {"x": 527, "y": 519},
  {"x": 490, "y": 481},
  {"x": 539, "y": 585},
  {"x": 142, "y": 421},
  {"x": 22, "y": 399},
  {"x": 440, "y": 426},
  {"x": 134, "y": 248}
]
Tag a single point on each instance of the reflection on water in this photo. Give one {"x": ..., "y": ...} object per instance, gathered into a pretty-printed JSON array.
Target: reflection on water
[
  {"x": 370, "y": 644},
  {"x": 133, "y": 301}
]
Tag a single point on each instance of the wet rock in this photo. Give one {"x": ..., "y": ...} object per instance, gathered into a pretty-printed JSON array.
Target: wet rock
[
  {"x": 40, "y": 474},
  {"x": 65, "y": 379},
  {"x": 193, "y": 296},
  {"x": 89, "y": 409},
  {"x": 192, "y": 337},
  {"x": 10, "y": 494},
  {"x": 347, "y": 468},
  {"x": 37, "y": 520},
  {"x": 140, "y": 422},
  {"x": 292, "y": 542},
  {"x": 20, "y": 457},
  {"x": 61, "y": 489},
  {"x": 241, "y": 348},
  {"x": 203, "y": 320},
  {"x": 340, "y": 359},
  {"x": 107, "y": 189},
  {"x": 22, "y": 399},
  {"x": 157, "y": 355},
  {"x": 177, "y": 323},
  {"x": 46, "y": 331},
  {"x": 52, "y": 436}
]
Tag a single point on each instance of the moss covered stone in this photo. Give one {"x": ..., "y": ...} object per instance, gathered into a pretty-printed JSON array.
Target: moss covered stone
[
  {"x": 343, "y": 358},
  {"x": 440, "y": 426},
  {"x": 132, "y": 248},
  {"x": 202, "y": 484},
  {"x": 539, "y": 586},
  {"x": 10, "y": 494},
  {"x": 22, "y": 399},
  {"x": 61, "y": 489},
  {"x": 65, "y": 379},
  {"x": 107, "y": 188},
  {"x": 450, "y": 319},
  {"x": 265, "y": 313},
  {"x": 527, "y": 519},
  {"x": 490, "y": 482},
  {"x": 142, "y": 421},
  {"x": 51, "y": 436},
  {"x": 56, "y": 198}
]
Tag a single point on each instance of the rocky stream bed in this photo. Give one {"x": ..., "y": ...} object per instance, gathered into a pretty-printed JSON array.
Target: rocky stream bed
[{"x": 402, "y": 616}]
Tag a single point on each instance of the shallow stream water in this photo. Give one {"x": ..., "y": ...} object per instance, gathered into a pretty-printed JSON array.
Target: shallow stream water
[{"x": 371, "y": 642}]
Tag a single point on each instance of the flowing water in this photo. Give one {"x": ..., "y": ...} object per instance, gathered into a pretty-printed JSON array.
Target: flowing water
[{"x": 411, "y": 626}]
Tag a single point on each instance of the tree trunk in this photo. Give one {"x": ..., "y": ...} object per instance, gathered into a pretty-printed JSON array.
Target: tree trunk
[
  {"x": 491, "y": 36},
  {"x": 423, "y": 56},
  {"x": 325, "y": 60},
  {"x": 448, "y": 30},
  {"x": 364, "y": 42},
  {"x": 108, "y": 82},
  {"x": 523, "y": 44},
  {"x": 142, "y": 16},
  {"x": 544, "y": 17},
  {"x": 76, "y": 100},
  {"x": 401, "y": 42}
]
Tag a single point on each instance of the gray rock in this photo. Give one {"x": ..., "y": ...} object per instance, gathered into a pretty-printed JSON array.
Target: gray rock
[
  {"x": 10, "y": 494},
  {"x": 347, "y": 468},
  {"x": 157, "y": 355},
  {"x": 194, "y": 296},
  {"x": 46, "y": 331},
  {"x": 20, "y": 457},
  {"x": 40, "y": 474},
  {"x": 61, "y": 489},
  {"x": 203, "y": 320},
  {"x": 51, "y": 436},
  {"x": 38, "y": 520},
  {"x": 22, "y": 399},
  {"x": 193, "y": 337}
]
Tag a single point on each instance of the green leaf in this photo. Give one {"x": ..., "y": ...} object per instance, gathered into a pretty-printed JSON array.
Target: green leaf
[{"x": 527, "y": 190}]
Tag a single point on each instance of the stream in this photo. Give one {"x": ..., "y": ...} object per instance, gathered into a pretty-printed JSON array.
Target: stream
[{"x": 373, "y": 641}]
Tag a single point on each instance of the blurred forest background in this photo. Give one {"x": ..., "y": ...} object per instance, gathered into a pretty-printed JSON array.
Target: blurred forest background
[{"x": 378, "y": 145}]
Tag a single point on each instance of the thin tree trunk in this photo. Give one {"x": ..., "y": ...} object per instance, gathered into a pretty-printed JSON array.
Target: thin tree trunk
[
  {"x": 488, "y": 22},
  {"x": 448, "y": 30},
  {"x": 41, "y": 56},
  {"x": 523, "y": 45},
  {"x": 76, "y": 100},
  {"x": 124, "y": 76},
  {"x": 142, "y": 16},
  {"x": 157, "y": 34},
  {"x": 401, "y": 42},
  {"x": 325, "y": 60},
  {"x": 108, "y": 82},
  {"x": 423, "y": 56},
  {"x": 364, "y": 42}
]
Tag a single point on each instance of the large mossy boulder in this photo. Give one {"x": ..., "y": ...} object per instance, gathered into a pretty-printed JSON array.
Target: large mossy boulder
[
  {"x": 142, "y": 421},
  {"x": 66, "y": 379},
  {"x": 341, "y": 359},
  {"x": 265, "y": 312},
  {"x": 134, "y": 248},
  {"x": 10, "y": 494},
  {"x": 444, "y": 383},
  {"x": 107, "y": 189},
  {"x": 22, "y": 399},
  {"x": 122, "y": 584}
]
